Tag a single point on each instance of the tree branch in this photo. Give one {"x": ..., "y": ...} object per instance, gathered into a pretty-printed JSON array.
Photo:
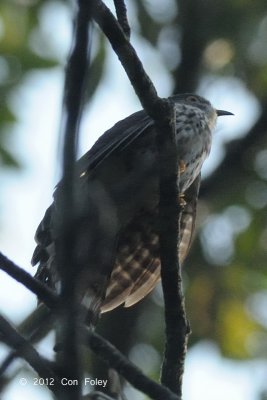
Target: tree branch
[
  {"x": 121, "y": 12},
  {"x": 43, "y": 293},
  {"x": 34, "y": 328},
  {"x": 66, "y": 226},
  {"x": 99, "y": 345},
  {"x": 125, "y": 368},
  {"x": 192, "y": 18},
  {"x": 175, "y": 319},
  {"x": 142, "y": 84},
  {"x": 162, "y": 111},
  {"x": 25, "y": 350},
  {"x": 163, "y": 114},
  {"x": 106, "y": 350}
]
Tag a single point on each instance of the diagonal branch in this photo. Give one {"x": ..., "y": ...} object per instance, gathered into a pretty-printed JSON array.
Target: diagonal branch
[
  {"x": 43, "y": 293},
  {"x": 130, "y": 372},
  {"x": 24, "y": 349},
  {"x": 132, "y": 65},
  {"x": 98, "y": 344},
  {"x": 35, "y": 327}
]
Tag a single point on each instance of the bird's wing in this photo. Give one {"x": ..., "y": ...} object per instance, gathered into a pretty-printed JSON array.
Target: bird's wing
[
  {"x": 121, "y": 135},
  {"x": 115, "y": 139},
  {"x": 134, "y": 290},
  {"x": 151, "y": 275},
  {"x": 43, "y": 250},
  {"x": 145, "y": 283},
  {"x": 137, "y": 268},
  {"x": 137, "y": 262}
]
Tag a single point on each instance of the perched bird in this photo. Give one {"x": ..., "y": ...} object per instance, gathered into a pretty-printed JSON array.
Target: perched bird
[{"x": 119, "y": 179}]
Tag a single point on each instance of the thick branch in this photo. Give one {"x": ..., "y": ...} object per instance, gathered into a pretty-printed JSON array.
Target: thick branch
[
  {"x": 163, "y": 114},
  {"x": 76, "y": 74},
  {"x": 192, "y": 18},
  {"x": 175, "y": 319}
]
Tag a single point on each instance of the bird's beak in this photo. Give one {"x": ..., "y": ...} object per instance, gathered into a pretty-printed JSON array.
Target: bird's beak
[{"x": 222, "y": 112}]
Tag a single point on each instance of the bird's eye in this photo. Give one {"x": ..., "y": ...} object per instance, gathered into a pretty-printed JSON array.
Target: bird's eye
[{"x": 192, "y": 99}]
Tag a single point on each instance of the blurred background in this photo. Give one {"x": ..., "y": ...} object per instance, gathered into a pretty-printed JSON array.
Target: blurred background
[{"x": 217, "y": 49}]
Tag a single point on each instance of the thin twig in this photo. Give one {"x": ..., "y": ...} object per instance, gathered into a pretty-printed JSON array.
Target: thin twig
[
  {"x": 22, "y": 347},
  {"x": 7, "y": 361},
  {"x": 121, "y": 12},
  {"x": 133, "y": 67},
  {"x": 43, "y": 293}
]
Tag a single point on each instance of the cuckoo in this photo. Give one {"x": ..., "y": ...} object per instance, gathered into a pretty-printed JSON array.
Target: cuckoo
[{"x": 118, "y": 178}]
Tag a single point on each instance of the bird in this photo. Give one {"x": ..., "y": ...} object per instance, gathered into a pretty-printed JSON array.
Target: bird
[{"x": 119, "y": 179}]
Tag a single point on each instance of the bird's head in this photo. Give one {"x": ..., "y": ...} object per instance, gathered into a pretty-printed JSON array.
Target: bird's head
[{"x": 194, "y": 100}]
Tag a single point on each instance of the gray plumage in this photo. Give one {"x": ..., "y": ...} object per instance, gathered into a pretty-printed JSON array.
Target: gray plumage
[{"x": 119, "y": 179}]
